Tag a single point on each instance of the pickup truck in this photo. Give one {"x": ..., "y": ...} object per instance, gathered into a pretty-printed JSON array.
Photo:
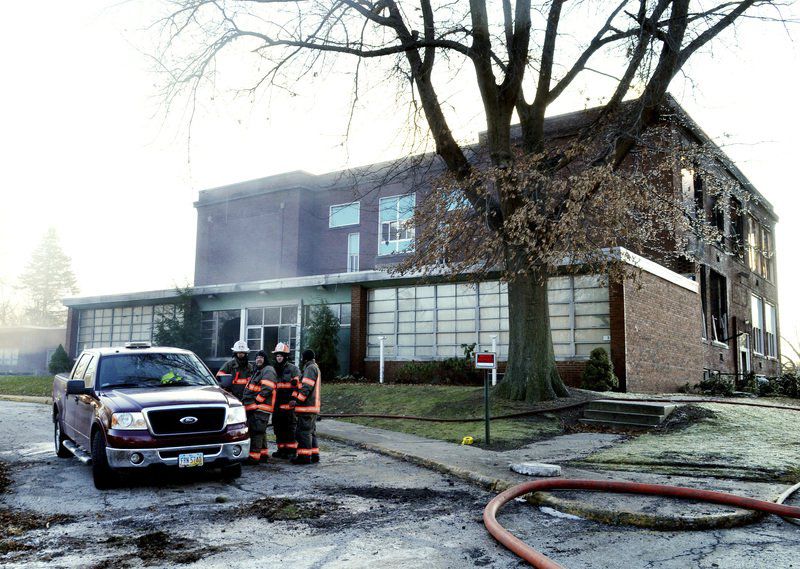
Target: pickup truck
[{"x": 127, "y": 409}]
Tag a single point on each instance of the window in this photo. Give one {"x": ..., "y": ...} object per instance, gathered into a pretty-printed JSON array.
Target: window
[
  {"x": 718, "y": 286},
  {"x": 344, "y": 215},
  {"x": 272, "y": 324},
  {"x": 703, "y": 300},
  {"x": 689, "y": 185},
  {"x": 115, "y": 326},
  {"x": 759, "y": 249},
  {"x": 737, "y": 229},
  {"x": 428, "y": 322},
  {"x": 396, "y": 230},
  {"x": 220, "y": 329},
  {"x": 770, "y": 331},
  {"x": 757, "y": 316},
  {"x": 88, "y": 377},
  {"x": 353, "y": 243},
  {"x": 9, "y": 357},
  {"x": 765, "y": 327},
  {"x": 341, "y": 311}
]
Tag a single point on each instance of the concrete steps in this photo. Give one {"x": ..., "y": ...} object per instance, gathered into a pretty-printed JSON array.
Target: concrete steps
[{"x": 621, "y": 413}]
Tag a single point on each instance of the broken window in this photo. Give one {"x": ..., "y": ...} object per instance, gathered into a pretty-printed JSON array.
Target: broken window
[{"x": 718, "y": 297}]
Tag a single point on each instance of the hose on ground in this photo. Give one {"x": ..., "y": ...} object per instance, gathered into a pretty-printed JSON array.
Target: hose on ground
[
  {"x": 533, "y": 412},
  {"x": 783, "y": 497},
  {"x": 541, "y": 561}
]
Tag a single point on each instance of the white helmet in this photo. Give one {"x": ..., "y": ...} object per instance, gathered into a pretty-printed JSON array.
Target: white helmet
[
  {"x": 240, "y": 346},
  {"x": 282, "y": 348}
]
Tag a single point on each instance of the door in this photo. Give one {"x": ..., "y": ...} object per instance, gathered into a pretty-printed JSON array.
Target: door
[
  {"x": 71, "y": 401},
  {"x": 85, "y": 407},
  {"x": 744, "y": 354}
]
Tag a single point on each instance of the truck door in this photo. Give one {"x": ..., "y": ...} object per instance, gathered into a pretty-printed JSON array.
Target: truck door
[
  {"x": 85, "y": 407},
  {"x": 71, "y": 401}
]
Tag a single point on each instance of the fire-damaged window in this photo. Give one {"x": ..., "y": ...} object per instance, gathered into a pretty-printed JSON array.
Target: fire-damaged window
[
  {"x": 765, "y": 327},
  {"x": 704, "y": 299},
  {"x": 220, "y": 330},
  {"x": 718, "y": 300},
  {"x": 692, "y": 189},
  {"x": 736, "y": 235},
  {"x": 759, "y": 249}
]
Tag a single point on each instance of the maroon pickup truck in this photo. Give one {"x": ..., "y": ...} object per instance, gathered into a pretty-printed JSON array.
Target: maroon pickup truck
[{"x": 135, "y": 407}]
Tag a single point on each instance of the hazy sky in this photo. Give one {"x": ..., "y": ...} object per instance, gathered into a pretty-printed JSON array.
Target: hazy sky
[{"x": 85, "y": 147}]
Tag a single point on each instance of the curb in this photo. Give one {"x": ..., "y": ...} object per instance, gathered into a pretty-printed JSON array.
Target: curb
[
  {"x": 574, "y": 507},
  {"x": 27, "y": 399}
]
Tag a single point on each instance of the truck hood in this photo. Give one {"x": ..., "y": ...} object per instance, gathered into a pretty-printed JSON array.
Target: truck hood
[{"x": 132, "y": 400}]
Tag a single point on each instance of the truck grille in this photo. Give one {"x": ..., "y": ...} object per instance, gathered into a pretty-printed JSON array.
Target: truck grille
[{"x": 168, "y": 421}]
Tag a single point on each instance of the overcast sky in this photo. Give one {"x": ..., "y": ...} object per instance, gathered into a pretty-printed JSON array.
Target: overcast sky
[{"x": 85, "y": 147}]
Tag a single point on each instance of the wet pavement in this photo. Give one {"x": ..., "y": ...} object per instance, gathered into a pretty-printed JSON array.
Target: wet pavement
[{"x": 369, "y": 502}]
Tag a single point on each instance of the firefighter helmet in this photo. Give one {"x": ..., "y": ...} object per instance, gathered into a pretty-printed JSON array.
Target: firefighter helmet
[
  {"x": 240, "y": 346},
  {"x": 282, "y": 348}
]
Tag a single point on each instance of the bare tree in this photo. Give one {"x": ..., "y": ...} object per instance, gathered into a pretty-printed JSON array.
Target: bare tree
[{"x": 528, "y": 199}]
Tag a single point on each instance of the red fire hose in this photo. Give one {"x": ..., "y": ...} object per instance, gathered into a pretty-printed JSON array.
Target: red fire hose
[{"x": 541, "y": 561}]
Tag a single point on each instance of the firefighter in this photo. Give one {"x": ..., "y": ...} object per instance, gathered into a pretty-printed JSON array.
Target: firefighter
[
  {"x": 239, "y": 368},
  {"x": 306, "y": 399},
  {"x": 284, "y": 420},
  {"x": 258, "y": 402}
]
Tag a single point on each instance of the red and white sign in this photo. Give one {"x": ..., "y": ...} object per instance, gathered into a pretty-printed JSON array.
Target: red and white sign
[{"x": 485, "y": 360}]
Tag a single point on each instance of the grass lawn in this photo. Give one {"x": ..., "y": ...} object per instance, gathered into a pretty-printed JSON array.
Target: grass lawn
[
  {"x": 737, "y": 441},
  {"x": 38, "y": 385},
  {"x": 442, "y": 402}
]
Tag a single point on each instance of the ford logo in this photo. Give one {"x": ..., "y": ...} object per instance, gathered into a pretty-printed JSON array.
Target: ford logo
[{"x": 189, "y": 420}]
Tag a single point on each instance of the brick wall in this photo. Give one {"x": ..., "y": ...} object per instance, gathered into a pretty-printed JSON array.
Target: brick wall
[
  {"x": 358, "y": 330},
  {"x": 663, "y": 350}
]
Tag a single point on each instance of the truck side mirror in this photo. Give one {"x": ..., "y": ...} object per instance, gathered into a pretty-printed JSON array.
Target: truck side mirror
[{"x": 77, "y": 387}]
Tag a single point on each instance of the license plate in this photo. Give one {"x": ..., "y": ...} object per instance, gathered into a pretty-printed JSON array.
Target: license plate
[{"x": 191, "y": 459}]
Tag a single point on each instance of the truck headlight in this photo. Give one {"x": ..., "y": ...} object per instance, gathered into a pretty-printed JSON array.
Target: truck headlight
[
  {"x": 128, "y": 421},
  {"x": 236, "y": 415}
]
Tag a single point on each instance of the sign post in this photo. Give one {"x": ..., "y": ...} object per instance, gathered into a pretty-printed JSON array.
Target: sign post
[
  {"x": 486, "y": 361},
  {"x": 380, "y": 373}
]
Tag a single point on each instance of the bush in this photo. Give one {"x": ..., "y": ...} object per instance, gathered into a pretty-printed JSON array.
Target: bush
[
  {"x": 452, "y": 371},
  {"x": 323, "y": 337},
  {"x": 786, "y": 385},
  {"x": 599, "y": 372},
  {"x": 716, "y": 384},
  {"x": 59, "y": 361}
]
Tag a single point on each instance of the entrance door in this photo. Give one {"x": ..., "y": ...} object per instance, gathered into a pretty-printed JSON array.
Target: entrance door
[{"x": 744, "y": 354}]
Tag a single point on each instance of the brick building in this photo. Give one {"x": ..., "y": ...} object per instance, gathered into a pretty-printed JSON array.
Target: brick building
[{"x": 309, "y": 240}]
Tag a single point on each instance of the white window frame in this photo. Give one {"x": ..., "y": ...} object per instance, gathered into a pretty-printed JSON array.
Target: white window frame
[
  {"x": 343, "y": 205},
  {"x": 353, "y": 258},
  {"x": 757, "y": 315},
  {"x": 381, "y": 241}
]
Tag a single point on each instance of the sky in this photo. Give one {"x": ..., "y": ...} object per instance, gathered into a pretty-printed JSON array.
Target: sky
[{"x": 87, "y": 147}]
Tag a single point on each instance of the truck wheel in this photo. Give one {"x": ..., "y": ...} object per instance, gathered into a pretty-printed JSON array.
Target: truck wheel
[
  {"x": 104, "y": 477},
  {"x": 232, "y": 472},
  {"x": 59, "y": 438}
]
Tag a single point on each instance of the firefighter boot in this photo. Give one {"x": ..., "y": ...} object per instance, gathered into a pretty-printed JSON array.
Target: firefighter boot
[{"x": 301, "y": 459}]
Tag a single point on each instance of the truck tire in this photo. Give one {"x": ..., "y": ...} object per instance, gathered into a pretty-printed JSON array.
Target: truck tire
[
  {"x": 59, "y": 438},
  {"x": 232, "y": 472},
  {"x": 104, "y": 477}
]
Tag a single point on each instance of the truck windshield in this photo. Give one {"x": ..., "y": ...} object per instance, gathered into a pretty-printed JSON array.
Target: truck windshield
[{"x": 152, "y": 370}]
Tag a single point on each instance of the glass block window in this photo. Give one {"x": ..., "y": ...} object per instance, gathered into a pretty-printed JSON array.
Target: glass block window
[
  {"x": 435, "y": 321},
  {"x": 395, "y": 227},
  {"x": 344, "y": 215},
  {"x": 116, "y": 326}
]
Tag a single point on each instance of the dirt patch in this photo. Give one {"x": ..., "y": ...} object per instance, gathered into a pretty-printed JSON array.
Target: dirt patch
[
  {"x": 286, "y": 509},
  {"x": 685, "y": 416},
  {"x": 156, "y": 548},
  {"x": 405, "y": 495},
  {"x": 15, "y": 523}
]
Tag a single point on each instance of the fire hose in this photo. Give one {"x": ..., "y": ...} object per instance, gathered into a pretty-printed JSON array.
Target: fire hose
[
  {"x": 537, "y": 559},
  {"x": 541, "y": 561}
]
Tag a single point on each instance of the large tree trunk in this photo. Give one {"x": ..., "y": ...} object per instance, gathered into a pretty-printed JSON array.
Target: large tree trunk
[{"x": 531, "y": 374}]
